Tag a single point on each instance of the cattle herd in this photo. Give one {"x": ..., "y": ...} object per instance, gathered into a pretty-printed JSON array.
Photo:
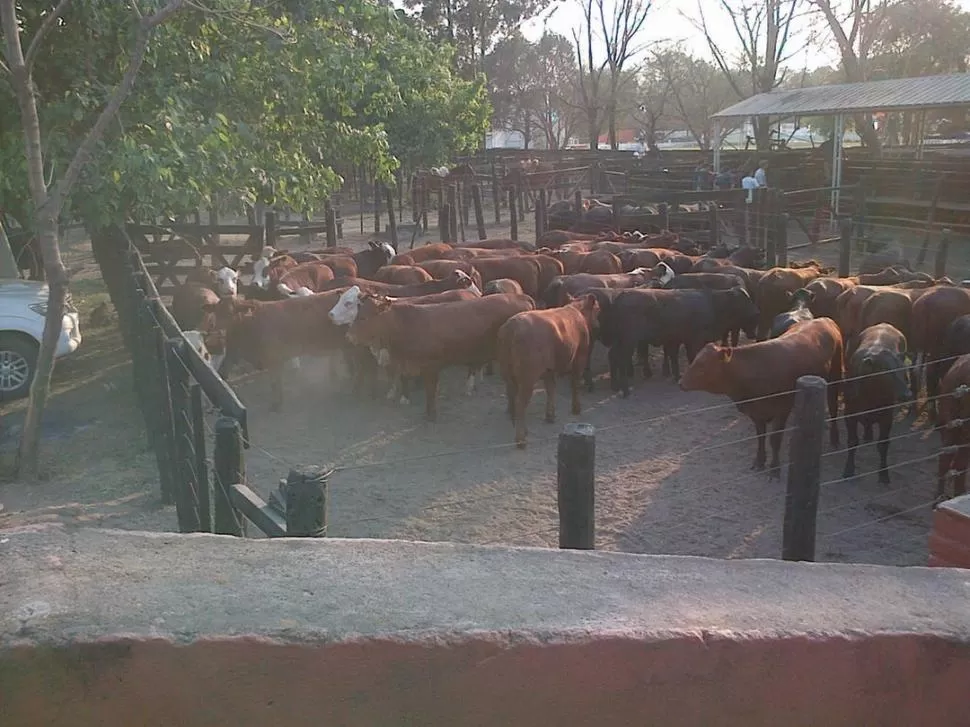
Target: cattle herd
[{"x": 534, "y": 313}]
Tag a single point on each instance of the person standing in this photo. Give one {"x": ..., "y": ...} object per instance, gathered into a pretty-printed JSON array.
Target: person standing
[{"x": 761, "y": 173}]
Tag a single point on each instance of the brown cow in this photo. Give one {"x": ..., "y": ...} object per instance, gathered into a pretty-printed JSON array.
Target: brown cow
[
  {"x": 189, "y": 304},
  {"x": 564, "y": 287},
  {"x": 773, "y": 292},
  {"x": 932, "y": 314},
  {"x": 402, "y": 275},
  {"x": 954, "y": 427},
  {"x": 542, "y": 344},
  {"x": 457, "y": 280},
  {"x": 524, "y": 270},
  {"x": 761, "y": 377},
  {"x": 826, "y": 290},
  {"x": 497, "y": 243},
  {"x": 312, "y": 276},
  {"x": 424, "y": 339},
  {"x": 549, "y": 269},
  {"x": 432, "y": 251},
  {"x": 267, "y": 334},
  {"x": 440, "y": 269},
  {"x": 343, "y": 266},
  {"x": 598, "y": 262},
  {"x": 875, "y": 383}
]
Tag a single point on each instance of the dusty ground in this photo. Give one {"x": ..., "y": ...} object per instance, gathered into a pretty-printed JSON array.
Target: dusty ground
[{"x": 672, "y": 467}]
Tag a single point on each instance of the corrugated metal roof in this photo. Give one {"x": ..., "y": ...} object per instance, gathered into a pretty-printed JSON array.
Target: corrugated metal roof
[{"x": 892, "y": 95}]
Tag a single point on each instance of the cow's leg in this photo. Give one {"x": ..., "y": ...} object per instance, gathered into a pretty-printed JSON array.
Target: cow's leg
[
  {"x": 944, "y": 463},
  {"x": 470, "y": 381},
  {"x": 510, "y": 391},
  {"x": 550, "y": 381},
  {"x": 587, "y": 371},
  {"x": 735, "y": 337},
  {"x": 522, "y": 398},
  {"x": 405, "y": 389},
  {"x": 868, "y": 431},
  {"x": 276, "y": 387},
  {"x": 932, "y": 387},
  {"x": 914, "y": 379},
  {"x": 885, "y": 427},
  {"x": 672, "y": 360},
  {"x": 832, "y": 392},
  {"x": 620, "y": 357},
  {"x": 643, "y": 350},
  {"x": 431, "y": 395},
  {"x": 777, "y": 433},
  {"x": 489, "y": 369},
  {"x": 761, "y": 427},
  {"x": 575, "y": 382},
  {"x": 852, "y": 438}
]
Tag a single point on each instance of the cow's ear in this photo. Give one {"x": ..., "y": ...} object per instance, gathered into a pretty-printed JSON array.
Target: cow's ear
[{"x": 726, "y": 353}]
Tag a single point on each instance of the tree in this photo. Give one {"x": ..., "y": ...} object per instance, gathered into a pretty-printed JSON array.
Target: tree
[
  {"x": 620, "y": 26},
  {"x": 555, "y": 69},
  {"x": 48, "y": 201},
  {"x": 233, "y": 103},
  {"x": 654, "y": 89},
  {"x": 473, "y": 27},
  {"x": 514, "y": 88},
  {"x": 697, "y": 90},
  {"x": 765, "y": 32},
  {"x": 589, "y": 77},
  {"x": 854, "y": 26}
]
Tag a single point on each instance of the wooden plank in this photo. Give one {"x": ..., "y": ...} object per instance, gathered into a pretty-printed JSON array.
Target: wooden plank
[
  {"x": 192, "y": 230},
  {"x": 215, "y": 388},
  {"x": 257, "y": 512}
]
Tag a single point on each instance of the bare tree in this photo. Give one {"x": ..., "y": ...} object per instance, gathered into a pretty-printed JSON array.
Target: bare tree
[
  {"x": 590, "y": 76},
  {"x": 620, "y": 24},
  {"x": 48, "y": 201},
  {"x": 855, "y": 26},
  {"x": 764, "y": 29},
  {"x": 654, "y": 99}
]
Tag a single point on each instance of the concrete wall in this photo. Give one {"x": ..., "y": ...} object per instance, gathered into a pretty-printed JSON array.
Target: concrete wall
[{"x": 116, "y": 628}]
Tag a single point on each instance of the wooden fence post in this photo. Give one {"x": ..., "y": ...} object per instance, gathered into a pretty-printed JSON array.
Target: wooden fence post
[
  {"x": 496, "y": 195},
  {"x": 513, "y": 216},
  {"x": 523, "y": 197},
  {"x": 713, "y": 219},
  {"x": 771, "y": 226},
  {"x": 230, "y": 469},
  {"x": 939, "y": 269},
  {"x": 331, "y": 226},
  {"x": 269, "y": 223},
  {"x": 377, "y": 207},
  {"x": 201, "y": 464},
  {"x": 479, "y": 213},
  {"x": 578, "y": 204},
  {"x": 664, "y": 217},
  {"x": 186, "y": 489},
  {"x": 804, "y": 469},
  {"x": 444, "y": 223},
  {"x": 575, "y": 483},
  {"x": 540, "y": 213},
  {"x": 452, "y": 214},
  {"x": 845, "y": 247},
  {"x": 391, "y": 222},
  {"x": 306, "y": 502},
  {"x": 781, "y": 241},
  {"x": 159, "y": 401},
  {"x": 460, "y": 210},
  {"x": 425, "y": 203}
]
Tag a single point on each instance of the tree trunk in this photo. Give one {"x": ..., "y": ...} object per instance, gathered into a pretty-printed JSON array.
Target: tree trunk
[
  {"x": 867, "y": 132},
  {"x": 762, "y": 134},
  {"x": 594, "y": 132},
  {"x": 28, "y": 455}
]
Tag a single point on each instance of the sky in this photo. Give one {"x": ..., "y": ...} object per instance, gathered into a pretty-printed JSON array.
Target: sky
[{"x": 674, "y": 20}]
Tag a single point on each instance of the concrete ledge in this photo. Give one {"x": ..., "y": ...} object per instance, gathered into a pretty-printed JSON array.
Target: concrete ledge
[{"x": 121, "y": 628}]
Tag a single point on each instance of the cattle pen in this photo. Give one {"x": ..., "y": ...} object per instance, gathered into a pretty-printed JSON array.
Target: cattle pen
[{"x": 670, "y": 467}]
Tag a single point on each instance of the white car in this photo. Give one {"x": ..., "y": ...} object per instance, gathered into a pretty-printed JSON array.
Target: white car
[{"x": 23, "y": 304}]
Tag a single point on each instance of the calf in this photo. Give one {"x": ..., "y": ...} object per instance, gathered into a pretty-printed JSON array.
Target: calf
[
  {"x": 956, "y": 343},
  {"x": 876, "y": 382},
  {"x": 826, "y": 291},
  {"x": 441, "y": 269},
  {"x": 196, "y": 340},
  {"x": 457, "y": 280},
  {"x": 932, "y": 314},
  {"x": 761, "y": 378},
  {"x": 432, "y": 251},
  {"x": 801, "y": 299},
  {"x": 268, "y": 334},
  {"x": 523, "y": 270},
  {"x": 424, "y": 339},
  {"x": 953, "y": 421},
  {"x": 189, "y": 304},
  {"x": 402, "y": 275},
  {"x": 542, "y": 344},
  {"x": 773, "y": 290}
]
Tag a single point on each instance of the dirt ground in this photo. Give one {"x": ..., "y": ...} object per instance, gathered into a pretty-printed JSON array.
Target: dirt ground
[{"x": 672, "y": 468}]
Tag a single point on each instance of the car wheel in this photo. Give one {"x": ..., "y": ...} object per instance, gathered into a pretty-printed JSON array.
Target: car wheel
[{"x": 18, "y": 361}]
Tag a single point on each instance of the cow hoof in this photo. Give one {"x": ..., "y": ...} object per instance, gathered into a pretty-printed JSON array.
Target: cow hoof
[
  {"x": 834, "y": 439},
  {"x": 774, "y": 473},
  {"x": 758, "y": 466},
  {"x": 550, "y": 419},
  {"x": 848, "y": 474},
  {"x": 520, "y": 445},
  {"x": 577, "y": 411},
  {"x": 883, "y": 477}
]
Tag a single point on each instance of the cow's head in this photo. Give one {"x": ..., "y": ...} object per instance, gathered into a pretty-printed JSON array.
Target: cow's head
[
  {"x": 707, "y": 371},
  {"x": 464, "y": 280},
  {"x": 801, "y": 298},
  {"x": 589, "y": 307},
  {"x": 663, "y": 274},
  {"x": 384, "y": 247},
  {"x": 226, "y": 281},
  {"x": 890, "y": 365}
]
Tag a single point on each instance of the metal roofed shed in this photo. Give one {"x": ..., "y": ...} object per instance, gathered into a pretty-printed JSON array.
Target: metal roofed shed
[{"x": 898, "y": 94}]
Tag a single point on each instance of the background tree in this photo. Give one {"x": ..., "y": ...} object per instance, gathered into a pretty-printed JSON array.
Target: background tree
[
  {"x": 589, "y": 76},
  {"x": 620, "y": 22},
  {"x": 766, "y": 41}
]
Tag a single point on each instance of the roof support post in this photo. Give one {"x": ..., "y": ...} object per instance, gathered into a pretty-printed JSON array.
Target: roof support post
[
  {"x": 837, "y": 162},
  {"x": 920, "y": 134},
  {"x": 718, "y": 138}
]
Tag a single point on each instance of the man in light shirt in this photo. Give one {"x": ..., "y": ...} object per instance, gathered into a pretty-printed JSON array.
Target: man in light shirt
[
  {"x": 748, "y": 183},
  {"x": 761, "y": 175}
]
